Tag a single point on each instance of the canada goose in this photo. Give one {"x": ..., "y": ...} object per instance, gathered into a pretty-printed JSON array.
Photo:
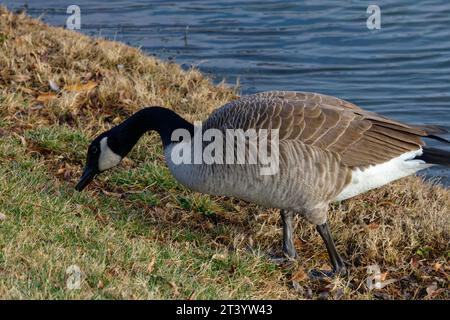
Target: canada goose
[{"x": 329, "y": 150}]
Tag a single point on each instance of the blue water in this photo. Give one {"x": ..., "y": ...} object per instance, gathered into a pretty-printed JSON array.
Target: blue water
[{"x": 401, "y": 70}]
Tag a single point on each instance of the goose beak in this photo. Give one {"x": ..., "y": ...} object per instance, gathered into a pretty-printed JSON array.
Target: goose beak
[{"x": 86, "y": 178}]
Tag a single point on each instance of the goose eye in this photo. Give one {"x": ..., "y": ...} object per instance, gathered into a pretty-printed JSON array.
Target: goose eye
[{"x": 94, "y": 150}]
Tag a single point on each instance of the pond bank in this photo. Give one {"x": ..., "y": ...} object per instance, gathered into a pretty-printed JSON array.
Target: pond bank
[{"x": 136, "y": 233}]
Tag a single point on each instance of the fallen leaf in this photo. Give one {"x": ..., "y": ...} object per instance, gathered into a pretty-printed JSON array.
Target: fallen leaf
[
  {"x": 46, "y": 97},
  {"x": 437, "y": 266},
  {"x": 78, "y": 87},
  {"x": 100, "y": 284},
  {"x": 373, "y": 226},
  {"x": 299, "y": 276},
  {"x": 2, "y": 216},
  {"x": 151, "y": 265},
  {"x": 298, "y": 243}
]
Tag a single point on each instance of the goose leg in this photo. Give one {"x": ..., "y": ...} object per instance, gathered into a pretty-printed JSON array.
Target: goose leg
[
  {"x": 335, "y": 259},
  {"x": 287, "y": 217},
  {"x": 289, "y": 252}
]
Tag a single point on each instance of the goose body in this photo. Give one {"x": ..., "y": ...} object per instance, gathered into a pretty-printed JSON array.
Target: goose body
[
  {"x": 290, "y": 189},
  {"x": 329, "y": 150}
]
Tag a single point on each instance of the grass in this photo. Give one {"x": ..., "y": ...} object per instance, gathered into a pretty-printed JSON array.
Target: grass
[{"x": 136, "y": 233}]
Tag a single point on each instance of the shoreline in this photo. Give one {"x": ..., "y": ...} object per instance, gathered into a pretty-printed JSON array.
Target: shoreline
[{"x": 59, "y": 88}]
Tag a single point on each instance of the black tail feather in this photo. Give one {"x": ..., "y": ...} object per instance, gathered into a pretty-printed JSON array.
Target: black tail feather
[
  {"x": 435, "y": 156},
  {"x": 432, "y": 136}
]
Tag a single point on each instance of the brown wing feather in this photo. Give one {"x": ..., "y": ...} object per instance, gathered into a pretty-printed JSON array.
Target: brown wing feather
[{"x": 361, "y": 138}]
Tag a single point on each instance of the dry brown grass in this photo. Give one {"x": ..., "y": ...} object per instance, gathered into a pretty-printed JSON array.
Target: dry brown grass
[{"x": 205, "y": 247}]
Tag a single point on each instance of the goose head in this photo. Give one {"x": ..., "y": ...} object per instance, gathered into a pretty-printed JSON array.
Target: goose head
[
  {"x": 108, "y": 149},
  {"x": 104, "y": 152}
]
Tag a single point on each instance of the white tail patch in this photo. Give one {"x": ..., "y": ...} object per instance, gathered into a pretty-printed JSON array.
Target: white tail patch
[
  {"x": 107, "y": 158},
  {"x": 379, "y": 175}
]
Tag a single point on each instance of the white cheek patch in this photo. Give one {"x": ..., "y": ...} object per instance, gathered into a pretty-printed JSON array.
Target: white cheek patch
[{"x": 107, "y": 158}]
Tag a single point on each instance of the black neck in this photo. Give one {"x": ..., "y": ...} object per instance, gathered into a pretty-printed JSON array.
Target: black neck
[{"x": 161, "y": 120}]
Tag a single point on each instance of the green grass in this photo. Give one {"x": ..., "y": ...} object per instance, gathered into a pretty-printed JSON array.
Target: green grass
[
  {"x": 50, "y": 227},
  {"x": 58, "y": 139},
  {"x": 146, "y": 218}
]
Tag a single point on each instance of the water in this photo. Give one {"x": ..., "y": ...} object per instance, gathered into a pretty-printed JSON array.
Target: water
[{"x": 401, "y": 70}]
